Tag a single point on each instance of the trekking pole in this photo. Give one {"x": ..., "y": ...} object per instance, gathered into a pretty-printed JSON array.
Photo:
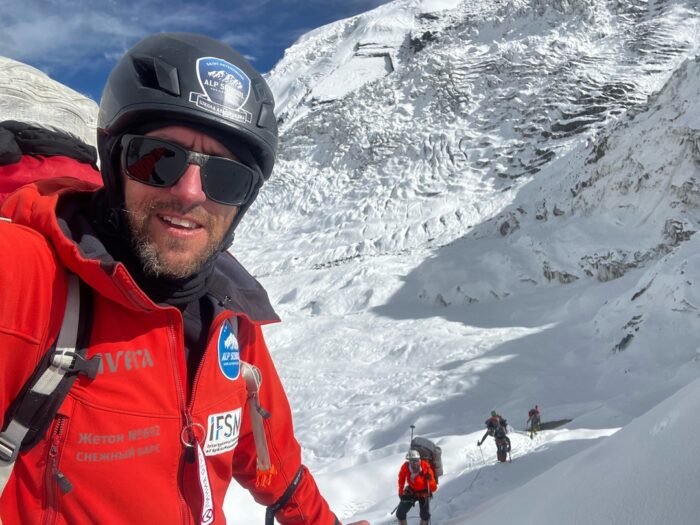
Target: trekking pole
[
  {"x": 430, "y": 497},
  {"x": 412, "y": 427},
  {"x": 483, "y": 464}
]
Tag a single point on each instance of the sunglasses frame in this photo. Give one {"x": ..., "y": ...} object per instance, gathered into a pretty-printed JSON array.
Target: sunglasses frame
[{"x": 192, "y": 157}]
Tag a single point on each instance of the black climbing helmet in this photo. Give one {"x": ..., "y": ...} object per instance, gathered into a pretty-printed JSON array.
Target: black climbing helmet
[{"x": 190, "y": 80}]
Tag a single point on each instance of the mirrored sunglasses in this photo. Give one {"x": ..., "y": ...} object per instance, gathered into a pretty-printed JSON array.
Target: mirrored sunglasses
[{"x": 157, "y": 162}]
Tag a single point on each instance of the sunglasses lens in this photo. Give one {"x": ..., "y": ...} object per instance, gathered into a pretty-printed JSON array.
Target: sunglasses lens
[
  {"x": 227, "y": 181},
  {"x": 160, "y": 163},
  {"x": 154, "y": 162}
]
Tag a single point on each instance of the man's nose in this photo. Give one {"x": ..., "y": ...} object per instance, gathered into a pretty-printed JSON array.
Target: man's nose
[{"x": 189, "y": 188}]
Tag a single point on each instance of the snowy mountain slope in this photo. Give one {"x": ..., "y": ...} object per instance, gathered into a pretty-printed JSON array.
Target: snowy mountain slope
[
  {"x": 643, "y": 474},
  {"x": 625, "y": 201},
  {"x": 575, "y": 220},
  {"x": 481, "y": 96},
  {"x": 480, "y": 228}
]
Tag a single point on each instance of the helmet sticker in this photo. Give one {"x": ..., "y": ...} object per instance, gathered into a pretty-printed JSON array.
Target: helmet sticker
[
  {"x": 229, "y": 352},
  {"x": 225, "y": 89}
]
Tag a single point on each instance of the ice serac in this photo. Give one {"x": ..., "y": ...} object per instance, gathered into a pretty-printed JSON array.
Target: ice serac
[{"x": 413, "y": 124}]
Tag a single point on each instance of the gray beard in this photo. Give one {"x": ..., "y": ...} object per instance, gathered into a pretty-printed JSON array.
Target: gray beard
[{"x": 152, "y": 263}]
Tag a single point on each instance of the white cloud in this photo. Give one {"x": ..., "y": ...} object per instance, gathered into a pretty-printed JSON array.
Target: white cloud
[{"x": 72, "y": 33}]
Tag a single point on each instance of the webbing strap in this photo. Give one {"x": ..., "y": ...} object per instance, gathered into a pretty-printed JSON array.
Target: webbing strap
[
  {"x": 11, "y": 438},
  {"x": 65, "y": 346},
  {"x": 272, "y": 509},
  {"x": 10, "y": 441}
]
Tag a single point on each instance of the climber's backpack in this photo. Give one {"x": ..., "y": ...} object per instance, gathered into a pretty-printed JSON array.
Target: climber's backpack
[
  {"x": 430, "y": 452},
  {"x": 500, "y": 433},
  {"x": 29, "y": 154}
]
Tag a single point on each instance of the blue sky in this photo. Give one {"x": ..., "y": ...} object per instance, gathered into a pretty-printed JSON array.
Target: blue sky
[{"x": 78, "y": 41}]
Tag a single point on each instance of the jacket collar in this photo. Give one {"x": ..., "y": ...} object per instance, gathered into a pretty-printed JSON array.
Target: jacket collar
[{"x": 60, "y": 210}]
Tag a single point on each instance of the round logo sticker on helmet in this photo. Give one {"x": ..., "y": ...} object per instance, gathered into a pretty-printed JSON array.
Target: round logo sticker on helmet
[
  {"x": 226, "y": 89},
  {"x": 229, "y": 352}
]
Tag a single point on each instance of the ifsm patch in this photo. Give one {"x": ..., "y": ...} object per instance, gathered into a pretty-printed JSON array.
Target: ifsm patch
[
  {"x": 222, "y": 432},
  {"x": 229, "y": 352},
  {"x": 225, "y": 89}
]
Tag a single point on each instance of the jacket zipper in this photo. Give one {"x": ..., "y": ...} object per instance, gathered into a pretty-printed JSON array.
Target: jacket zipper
[
  {"x": 56, "y": 482},
  {"x": 217, "y": 322},
  {"x": 188, "y": 456},
  {"x": 182, "y": 399},
  {"x": 189, "y": 430}
]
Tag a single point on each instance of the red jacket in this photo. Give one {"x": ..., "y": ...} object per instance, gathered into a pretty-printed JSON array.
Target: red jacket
[
  {"x": 118, "y": 438},
  {"x": 421, "y": 482}
]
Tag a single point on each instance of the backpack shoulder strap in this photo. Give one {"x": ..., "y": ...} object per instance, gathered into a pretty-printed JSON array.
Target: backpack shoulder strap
[{"x": 32, "y": 412}]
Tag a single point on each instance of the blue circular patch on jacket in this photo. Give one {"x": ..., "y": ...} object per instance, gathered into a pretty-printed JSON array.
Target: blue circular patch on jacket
[{"x": 229, "y": 352}]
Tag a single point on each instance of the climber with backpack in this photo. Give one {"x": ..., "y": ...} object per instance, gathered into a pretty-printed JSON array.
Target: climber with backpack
[
  {"x": 497, "y": 427},
  {"x": 417, "y": 483},
  {"x": 502, "y": 444},
  {"x": 494, "y": 422},
  {"x": 134, "y": 375},
  {"x": 533, "y": 421}
]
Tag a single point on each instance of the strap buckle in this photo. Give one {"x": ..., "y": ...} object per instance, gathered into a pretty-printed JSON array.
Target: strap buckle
[
  {"x": 9, "y": 449},
  {"x": 77, "y": 364},
  {"x": 88, "y": 367}
]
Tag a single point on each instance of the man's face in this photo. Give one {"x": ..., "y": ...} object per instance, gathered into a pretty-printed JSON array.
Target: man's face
[{"x": 176, "y": 230}]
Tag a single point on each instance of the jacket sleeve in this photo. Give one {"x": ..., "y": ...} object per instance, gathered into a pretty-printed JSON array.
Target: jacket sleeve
[
  {"x": 403, "y": 472},
  {"x": 32, "y": 298},
  {"x": 305, "y": 505}
]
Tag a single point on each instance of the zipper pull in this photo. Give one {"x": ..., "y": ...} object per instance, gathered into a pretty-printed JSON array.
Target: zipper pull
[
  {"x": 63, "y": 482},
  {"x": 189, "y": 439},
  {"x": 189, "y": 455}
]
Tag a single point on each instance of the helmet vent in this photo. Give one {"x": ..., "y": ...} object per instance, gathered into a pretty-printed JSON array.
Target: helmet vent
[
  {"x": 154, "y": 73},
  {"x": 266, "y": 119},
  {"x": 261, "y": 91}
]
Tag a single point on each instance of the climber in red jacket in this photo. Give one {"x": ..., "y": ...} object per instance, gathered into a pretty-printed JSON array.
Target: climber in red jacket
[
  {"x": 167, "y": 421},
  {"x": 416, "y": 483}
]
